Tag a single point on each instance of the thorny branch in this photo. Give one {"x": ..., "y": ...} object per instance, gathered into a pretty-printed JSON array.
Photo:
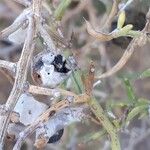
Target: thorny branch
[{"x": 20, "y": 79}]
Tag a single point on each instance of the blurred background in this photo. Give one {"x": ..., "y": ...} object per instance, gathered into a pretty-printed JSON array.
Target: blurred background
[{"x": 81, "y": 136}]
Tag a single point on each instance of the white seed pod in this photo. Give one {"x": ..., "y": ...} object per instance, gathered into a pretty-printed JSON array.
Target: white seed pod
[
  {"x": 48, "y": 58},
  {"x": 51, "y": 78},
  {"x": 63, "y": 118},
  {"x": 50, "y": 69},
  {"x": 29, "y": 109}
]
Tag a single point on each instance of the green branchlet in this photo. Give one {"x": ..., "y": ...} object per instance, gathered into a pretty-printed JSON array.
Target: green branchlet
[
  {"x": 106, "y": 123},
  {"x": 59, "y": 12}
]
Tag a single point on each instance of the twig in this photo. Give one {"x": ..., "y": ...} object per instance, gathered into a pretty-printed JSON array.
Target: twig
[
  {"x": 82, "y": 98},
  {"x": 8, "y": 75},
  {"x": 23, "y": 2},
  {"x": 8, "y": 65},
  {"x": 99, "y": 113},
  {"x": 56, "y": 36},
  {"x": 99, "y": 35},
  {"x": 12, "y": 28},
  {"x": 20, "y": 79},
  {"x": 139, "y": 41},
  {"x": 125, "y": 31},
  {"x": 127, "y": 54},
  {"x": 50, "y": 92},
  {"x": 44, "y": 34},
  {"x": 126, "y": 5},
  {"x": 113, "y": 12}
]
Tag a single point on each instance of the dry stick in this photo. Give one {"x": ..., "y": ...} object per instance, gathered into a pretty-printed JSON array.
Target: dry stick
[
  {"x": 56, "y": 36},
  {"x": 23, "y": 2},
  {"x": 45, "y": 91},
  {"x": 113, "y": 12},
  {"x": 12, "y": 28},
  {"x": 37, "y": 8},
  {"x": 125, "y": 31},
  {"x": 8, "y": 75},
  {"x": 47, "y": 39},
  {"x": 127, "y": 54},
  {"x": 98, "y": 35},
  {"x": 50, "y": 92},
  {"x": 8, "y": 65},
  {"x": 20, "y": 80},
  {"x": 8, "y": 69}
]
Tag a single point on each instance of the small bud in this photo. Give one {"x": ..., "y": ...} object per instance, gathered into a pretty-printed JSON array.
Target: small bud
[
  {"x": 123, "y": 31},
  {"x": 127, "y": 28},
  {"x": 121, "y": 20}
]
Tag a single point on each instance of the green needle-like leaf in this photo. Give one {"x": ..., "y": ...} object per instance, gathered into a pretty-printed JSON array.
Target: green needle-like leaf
[
  {"x": 59, "y": 12},
  {"x": 135, "y": 111},
  {"x": 130, "y": 92}
]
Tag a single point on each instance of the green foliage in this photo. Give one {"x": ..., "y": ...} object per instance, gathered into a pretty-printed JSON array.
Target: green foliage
[
  {"x": 77, "y": 82},
  {"x": 135, "y": 111},
  {"x": 59, "y": 12},
  {"x": 145, "y": 74},
  {"x": 93, "y": 136},
  {"x": 130, "y": 92},
  {"x": 106, "y": 123}
]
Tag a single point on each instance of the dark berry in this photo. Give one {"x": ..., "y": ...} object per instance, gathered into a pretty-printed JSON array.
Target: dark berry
[
  {"x": 56, "y": 137},
  {"x": 60, "y": 65}
]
